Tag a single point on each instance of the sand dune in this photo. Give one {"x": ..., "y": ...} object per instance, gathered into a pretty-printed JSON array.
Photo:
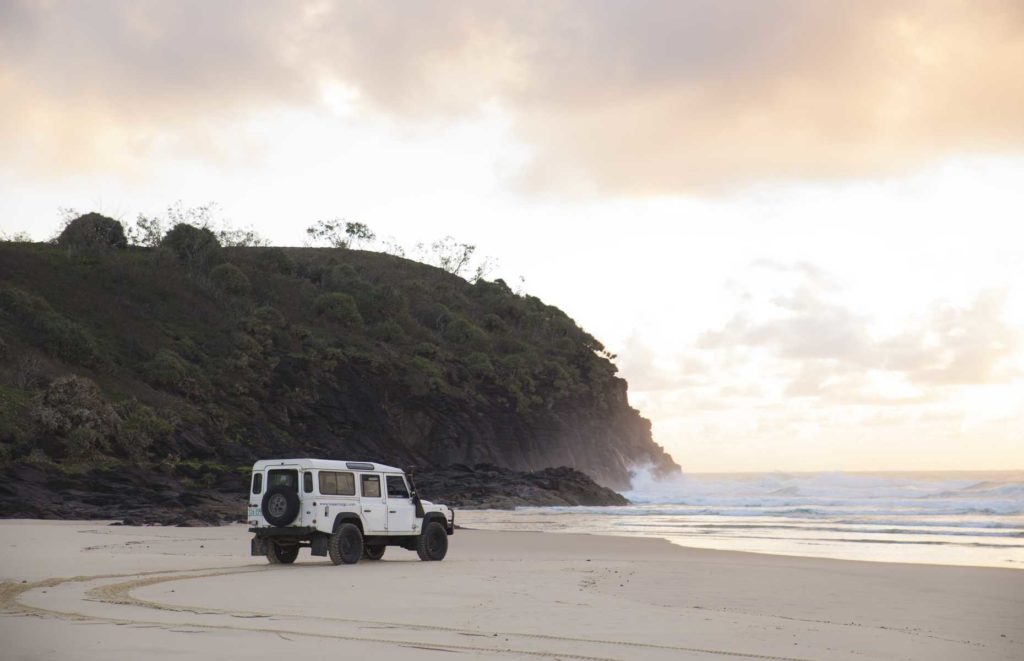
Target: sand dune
[{"x": 90, "y": 591}]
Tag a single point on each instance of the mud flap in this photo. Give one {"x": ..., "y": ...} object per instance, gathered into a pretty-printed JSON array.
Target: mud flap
[
  {"x": 318, "y": 545},
  {"x": 258, "y": 546}
]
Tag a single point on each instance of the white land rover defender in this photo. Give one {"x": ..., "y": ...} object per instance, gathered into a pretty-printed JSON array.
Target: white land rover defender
[{"x": 345, "y": 509}]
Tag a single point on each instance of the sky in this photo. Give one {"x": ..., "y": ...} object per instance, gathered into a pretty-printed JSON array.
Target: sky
[{"x": 798, "y": 224}]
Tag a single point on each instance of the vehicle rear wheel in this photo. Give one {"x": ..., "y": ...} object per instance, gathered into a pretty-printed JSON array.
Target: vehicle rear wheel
[
  {"x": 374, "y": 551},
  {"x": 346, "y": 544},
  {"x": 281, "y": 555},
  {"x": 433, "y": 542}
]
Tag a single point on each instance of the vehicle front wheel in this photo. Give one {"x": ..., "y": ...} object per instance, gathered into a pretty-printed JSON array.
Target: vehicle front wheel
[
  {"x": 433, "y": 542},
  {"x": 374, "y": 551},
  {"x": 281, "y": 555},
  {"x": 346, "y": 544}
]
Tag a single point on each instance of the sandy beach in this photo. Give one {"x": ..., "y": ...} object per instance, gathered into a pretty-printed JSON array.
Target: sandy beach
[{"x": 87, "y": 590}]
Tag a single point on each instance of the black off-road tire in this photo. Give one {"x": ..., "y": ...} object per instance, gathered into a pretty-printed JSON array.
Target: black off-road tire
[
  {"x": 374, "y": 551},
  {"x": 433, "y": 542},
  {"x": 346, "y": 544},
  {"x": 280, "y": 506},
  {"x": 281, "y": 555}
]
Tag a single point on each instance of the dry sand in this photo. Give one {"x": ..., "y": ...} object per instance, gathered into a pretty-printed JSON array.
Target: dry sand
[{"x": 83, "y": 590}]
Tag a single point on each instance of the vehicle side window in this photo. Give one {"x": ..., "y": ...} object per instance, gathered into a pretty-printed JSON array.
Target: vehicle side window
[
  {"x": 307, "y": 482},
  {"x": 337, "y": 484},
  {"x": 283, "y": 478},
  {"x": 257, "y": 483},
  {"x": 396, "y": 487},
  {"x": 371, "y": 486}
]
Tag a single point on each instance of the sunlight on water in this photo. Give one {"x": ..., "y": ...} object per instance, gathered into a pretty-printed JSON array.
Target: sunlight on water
[{"x": 937, "y": 518}]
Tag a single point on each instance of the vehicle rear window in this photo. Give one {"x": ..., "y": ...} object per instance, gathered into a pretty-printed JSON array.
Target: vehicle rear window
[
  {"x": 396, "y": 487},
  {"x": 371, "y": 486},
  {"x": 257, "y": 483},
  {"x": 307, "y": 482},
  {"x": 282, "y": 477},
  {"x": 333, "y": 483}
]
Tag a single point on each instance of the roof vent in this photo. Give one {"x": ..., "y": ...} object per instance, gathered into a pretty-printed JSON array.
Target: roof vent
[{"x": 359, "y": 465}]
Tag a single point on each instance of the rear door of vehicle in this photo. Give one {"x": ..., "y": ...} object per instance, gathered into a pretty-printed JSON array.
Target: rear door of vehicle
[{"x": 279, "y": 475}]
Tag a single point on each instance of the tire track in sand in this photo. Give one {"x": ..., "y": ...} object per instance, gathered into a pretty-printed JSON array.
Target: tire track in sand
[{"x": 118, "y": 593}]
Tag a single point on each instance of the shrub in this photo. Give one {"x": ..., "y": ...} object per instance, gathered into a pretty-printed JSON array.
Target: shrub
[
  {"x": 169, "y": 370},
  {"x": 466, "y": 333},
  {"x": 381, "y": 303},
  {"x": 140, "y": 429},
  {"x": 427, "y": 350},
  {"x": 270, "y": 316},
  {"x": 278, "y": 261},
  {"x": 57, "y": 334},
  {"x": 479, "y": 365},
  {"x": 341, "y": 277},
  {"x": 339, "y": 307},
  {"x": 493, "y": 323},
  {"x": 73, "y": 416},
  {"x": 85, "y": 444},
  {"x": 387, "y": 331},
  {"x": 195, "y": 247},
  {"x": 434, "y": 316},
  {"x": 423, "y": 375},
  {"x": 230, "y": 279},
  {"x": 93, "y": 232}
]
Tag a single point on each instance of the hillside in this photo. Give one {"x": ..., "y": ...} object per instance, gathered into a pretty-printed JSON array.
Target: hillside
[{"x": 190, "y": 364}]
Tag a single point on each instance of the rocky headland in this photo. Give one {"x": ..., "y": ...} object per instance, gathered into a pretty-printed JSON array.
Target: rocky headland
[{"x": 143, "y": 382}]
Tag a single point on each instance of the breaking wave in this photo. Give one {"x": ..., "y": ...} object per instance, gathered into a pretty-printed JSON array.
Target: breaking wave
[
  {"x": 945, "y": 518},
  {"x": 826, "y": 494}
]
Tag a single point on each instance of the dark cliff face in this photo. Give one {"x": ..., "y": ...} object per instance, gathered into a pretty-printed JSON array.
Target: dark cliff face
[
  {"x": 359, "y": 412},
  {"x": 137, "y": 356}
]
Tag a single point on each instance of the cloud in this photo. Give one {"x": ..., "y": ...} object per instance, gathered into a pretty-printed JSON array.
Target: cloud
[
  {"x": 664, "y": 97},
  {"x": 822, "y": 348},
  {"x": 646, "y": 371}
]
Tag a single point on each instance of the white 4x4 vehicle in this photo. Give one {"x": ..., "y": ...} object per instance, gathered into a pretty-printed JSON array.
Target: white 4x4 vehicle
[{"x": 345, "y": 509}]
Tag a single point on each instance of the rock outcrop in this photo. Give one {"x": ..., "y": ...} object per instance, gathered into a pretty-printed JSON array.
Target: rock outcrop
[{"x": 486, "y": 486}]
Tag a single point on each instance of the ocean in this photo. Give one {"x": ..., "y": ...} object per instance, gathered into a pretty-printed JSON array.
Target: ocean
[{"x": 955, "y": 518}]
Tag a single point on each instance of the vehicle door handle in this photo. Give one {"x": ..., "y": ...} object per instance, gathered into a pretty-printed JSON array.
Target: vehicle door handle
[
  {"x": 367, "y": 510},
  {"x": 393, "y": 511}
]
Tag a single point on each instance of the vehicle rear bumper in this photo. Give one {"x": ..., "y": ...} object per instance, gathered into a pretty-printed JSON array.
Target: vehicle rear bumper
[
  {"x": 301, "y": 536},
  {"x": 290, "y": 532}
]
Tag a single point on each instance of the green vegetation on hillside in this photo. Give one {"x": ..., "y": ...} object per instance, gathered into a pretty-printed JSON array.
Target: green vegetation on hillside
[{"x": 190, "y": 349}]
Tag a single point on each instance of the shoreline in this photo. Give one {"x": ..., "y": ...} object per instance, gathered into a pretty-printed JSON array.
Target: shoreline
[
  {"x": 676, "y": 542},
  {"x": 928, "y": 541},
  {"x": 101, "y": 591}
]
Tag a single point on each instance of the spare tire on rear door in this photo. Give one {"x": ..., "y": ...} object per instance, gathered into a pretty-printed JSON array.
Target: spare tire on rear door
[{"x": 280, "y": 505}]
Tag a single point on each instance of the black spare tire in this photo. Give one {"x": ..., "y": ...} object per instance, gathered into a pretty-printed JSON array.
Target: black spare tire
[{"x": 280, "y": 505}]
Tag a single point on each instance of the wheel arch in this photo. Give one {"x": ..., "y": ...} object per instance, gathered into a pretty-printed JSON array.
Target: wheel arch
[
  {"x": 348, "y": 517},
  {"x": 434, "y": 516}
]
